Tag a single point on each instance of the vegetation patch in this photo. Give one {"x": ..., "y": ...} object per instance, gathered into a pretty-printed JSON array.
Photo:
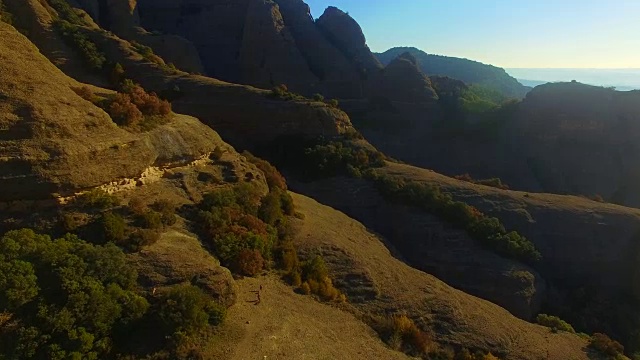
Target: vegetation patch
[
  {"x": 250, "y": 233},
  {"x": 147, "y": 53},
  {"x": 134, "y": 108},
  {"x": 73, "y": 35},
  {"x": 69, "y": 299},
  {"x": 606, "y": 346},
  {"x": 554, "y": 323},
  {"x": 282, "y": 92},
  {"x": 493, "y": 182},
  {"x": 317, "y": 158},
  {"x": 489, "y": 231}
]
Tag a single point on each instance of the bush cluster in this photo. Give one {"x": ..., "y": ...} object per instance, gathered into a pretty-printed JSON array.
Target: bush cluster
[
  {"x": 314, "y": 277},
  {"x": 401, "y": 333},
  {"x": 186, "y": 309},
  {"x": 132, "y": 108},
  {"x": 605, "y": 345},
  {"x": 238, "y": 219},
  {"x": 74, "y": 36},
  {"x": 316, "y": 158},
  {"x": 66, "y": 12},
  {"x": 97, "y": 199},
  {"x": 138, "y": 109},
  {"x": 282, "y": 92},
  {"x": 489, "y": 231},
  {"x": 147, "y": 53},
  {"x": 554, "y": 323},
  {"x": 493, "y": 182},
  {"x": 68, "y": 298},
  {"x": 275, "y": 180}
]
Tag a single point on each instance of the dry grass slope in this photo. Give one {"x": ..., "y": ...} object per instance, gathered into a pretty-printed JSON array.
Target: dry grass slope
[{"x": 457, "y": 318}]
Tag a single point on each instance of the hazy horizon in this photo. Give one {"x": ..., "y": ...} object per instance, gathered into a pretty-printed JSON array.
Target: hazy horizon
[
  {"x": 570, "y": 34},
  {"x": 622, "y": 79}
]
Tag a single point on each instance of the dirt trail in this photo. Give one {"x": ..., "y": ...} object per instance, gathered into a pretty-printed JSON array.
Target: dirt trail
[{"x": 285, "y": 325}]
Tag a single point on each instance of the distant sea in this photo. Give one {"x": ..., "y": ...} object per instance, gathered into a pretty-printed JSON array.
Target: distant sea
[{"x": 621, "y": 79}]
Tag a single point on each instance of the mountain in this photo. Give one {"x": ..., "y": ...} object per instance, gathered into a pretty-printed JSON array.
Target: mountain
[
  {"x": 621, "y": 79},
  {"x": 134, "y": 228},
  {"x": 469, "y": 71}
]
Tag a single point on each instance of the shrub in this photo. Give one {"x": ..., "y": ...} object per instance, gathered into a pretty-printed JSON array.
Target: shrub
[
  {"x": 86, "y": 93},
  {"x": 151, "y": 219},
  {"x": 167, "y": 211},
  {"x": 318, "y": 157},
  {"x": 605, "y": 345},
  {"x": 287, "y": 257},
  {"x": 333, "y": 103},
  {"x": 403, "y": 333},
  {"x": 74, "y": 36},
  {"x": 282, "y": 92},
  {"x": 270, "y": 208},
  {"x": 137, "y": 109},
  {"x": 147, "y": 53},
  {"x": 117, "y": 74},
  {"x": 318, "y": 97},
  {"x": 141, "y": 237},
  {"x": 137, "y": 205},
  {"x": 217, "y": 153},
  {"x": 305, "y": 289},
  {"x": 249, "y": 262},
  {"x": 97, "y": 199},
  {"x": 187, "y": 309},
  {"x": 554, "y": 322},
  {"x": 272, "y": 175},
  {"x": 72, "y": 221},
  {"x": 123, "y": 111},
  {"x": 493, "y": 182},
  {"x": 113, "y": 227}
]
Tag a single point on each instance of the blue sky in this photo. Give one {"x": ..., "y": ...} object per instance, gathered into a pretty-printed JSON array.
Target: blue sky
[{"x": 506, "y": 33}]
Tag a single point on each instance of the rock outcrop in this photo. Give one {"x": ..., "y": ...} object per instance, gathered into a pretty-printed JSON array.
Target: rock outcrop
[
  {"x": 345, "y": 33},
  {"x": 216, "y": 28},
  {"x": 402, "y": 81},
  {"x": 337, "y": 75},
  {"x": 268, "y": 54}
]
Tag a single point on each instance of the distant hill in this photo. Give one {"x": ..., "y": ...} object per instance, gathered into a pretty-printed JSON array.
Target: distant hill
[
  {"x": 469, "y": 71},
  {"x": 621, "y": 79}
]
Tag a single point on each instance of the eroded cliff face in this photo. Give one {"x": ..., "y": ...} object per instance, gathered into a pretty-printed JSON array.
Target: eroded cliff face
[
  {"x": 266, "y": 43},
  {"x": 268, "y": 54},
  {"x": 346, "y": 34},
  {"x": 580, "y": 139}
]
